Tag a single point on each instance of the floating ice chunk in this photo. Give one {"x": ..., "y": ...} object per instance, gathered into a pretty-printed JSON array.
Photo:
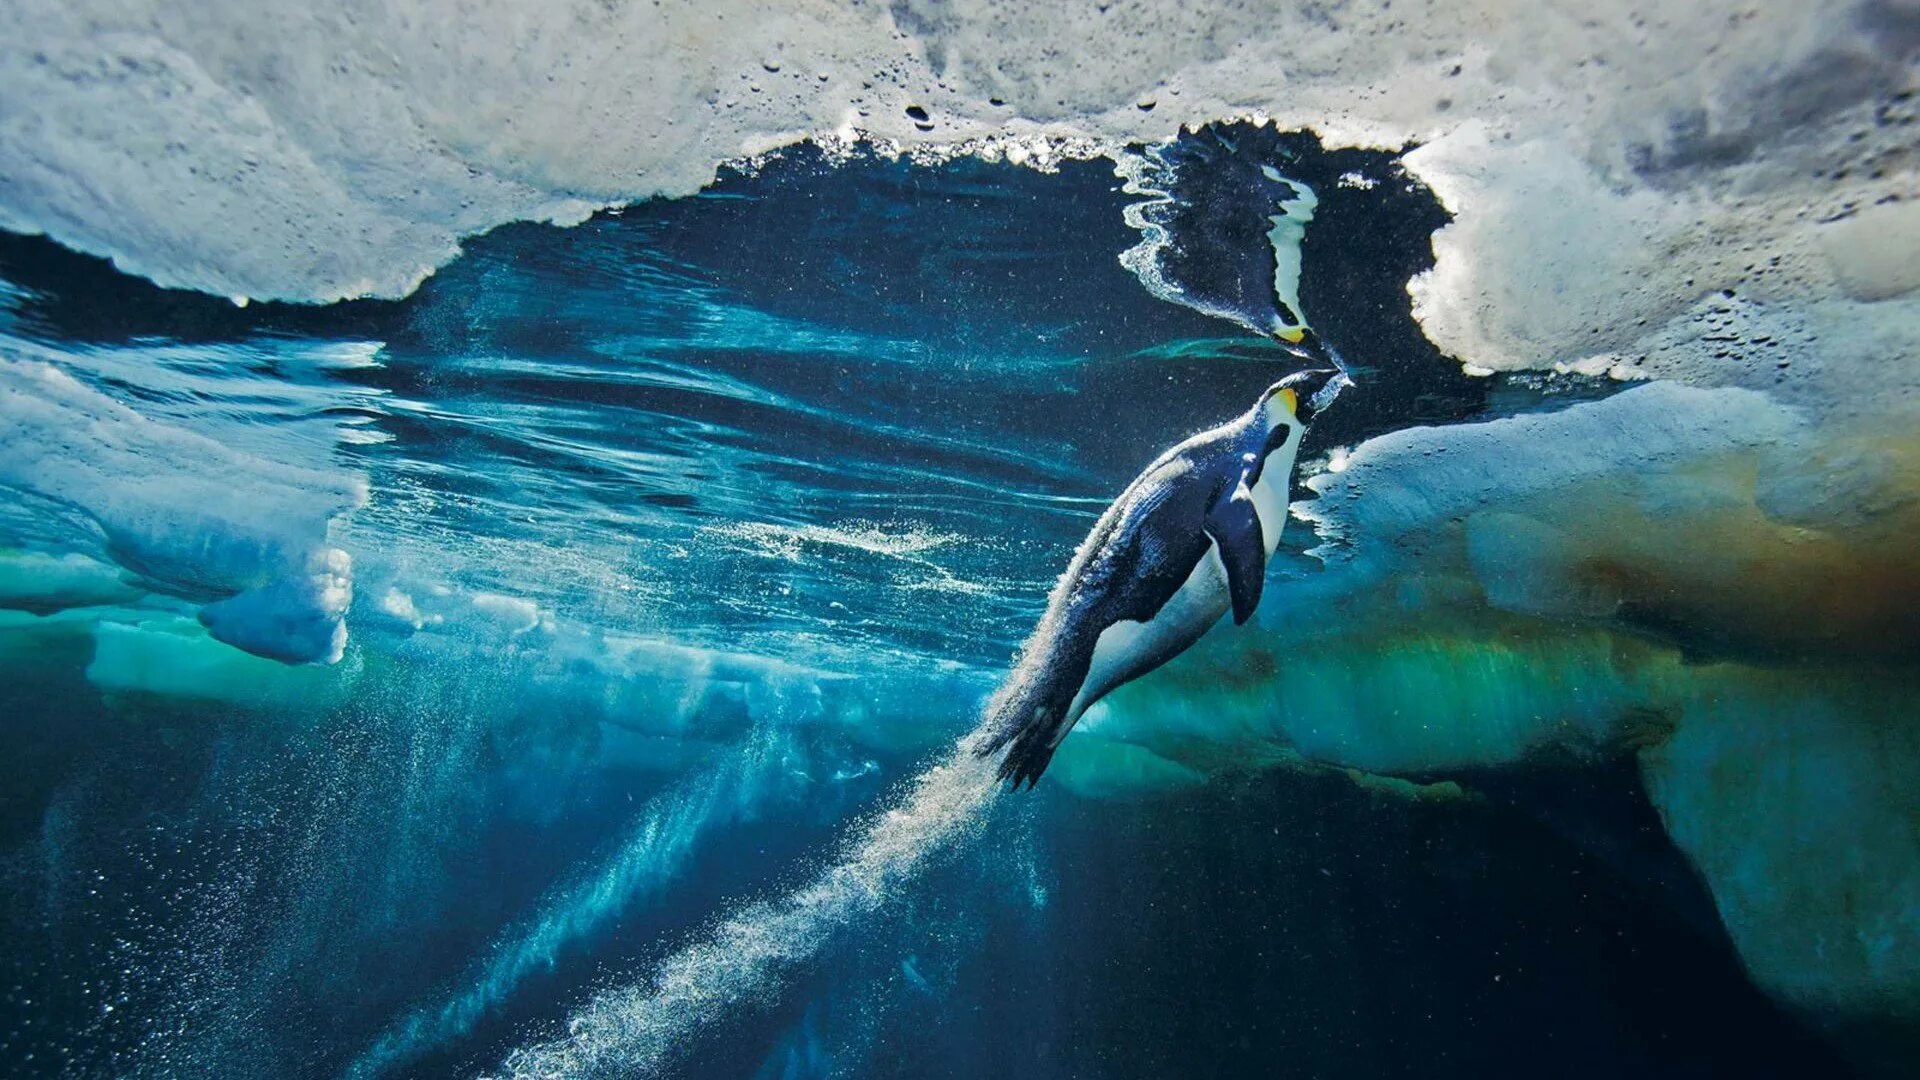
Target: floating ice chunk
[
  {"x": 510, "y": 613},
  {"x": 399, "y": 608},
  {"x": 1412, "y": 479},
  {"x": 1493, "y": 589},
  {"x": 1411, "y": 702},
  {"x": 1529, "y": 566},
  {"x": 184, "y": 513},
  {"x": 1654, "y": 508},
  {"x": 1793, "y": 794},
  {"x": 299, "y": 620},
  {"x": 43, "y": 583},
  {"x": 176, "y": 657}
]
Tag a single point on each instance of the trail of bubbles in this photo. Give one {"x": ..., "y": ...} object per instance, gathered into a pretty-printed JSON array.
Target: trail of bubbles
[
  {"x": 638, "y": 1029},
  {"x": 665, "y": 835}
]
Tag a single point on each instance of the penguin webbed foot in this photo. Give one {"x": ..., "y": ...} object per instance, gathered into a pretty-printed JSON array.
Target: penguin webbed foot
[
  {"x": 1027, "y": 749},
  {"x": 1026, "y": 759}
]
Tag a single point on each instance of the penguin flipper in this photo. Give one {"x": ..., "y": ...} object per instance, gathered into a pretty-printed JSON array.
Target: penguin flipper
[{"x": 1234, "y": 525}]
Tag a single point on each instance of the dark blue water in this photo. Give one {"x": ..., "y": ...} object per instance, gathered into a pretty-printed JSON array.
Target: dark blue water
[{"x": 687, "y": 534}]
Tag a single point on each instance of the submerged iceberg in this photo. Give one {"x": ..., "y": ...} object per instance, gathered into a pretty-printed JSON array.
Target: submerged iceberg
[{"x": 506, "y": 513}]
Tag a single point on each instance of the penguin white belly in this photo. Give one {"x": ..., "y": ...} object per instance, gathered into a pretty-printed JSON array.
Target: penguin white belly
[
  {"x": 1271, "y": 491},
  {"x": 1128, "y": 649}
]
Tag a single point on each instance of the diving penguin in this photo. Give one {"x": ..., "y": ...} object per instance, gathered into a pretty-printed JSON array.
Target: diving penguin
[{"x": 1187, "y": 541}]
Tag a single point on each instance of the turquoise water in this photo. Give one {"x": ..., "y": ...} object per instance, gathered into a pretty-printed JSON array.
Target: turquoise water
[{"x": 422, "y": 687}]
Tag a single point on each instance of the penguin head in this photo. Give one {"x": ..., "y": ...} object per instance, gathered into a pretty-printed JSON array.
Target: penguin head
[
  {"x": 1298, "y": 398},
  {"x": 1325, "y": 376}
]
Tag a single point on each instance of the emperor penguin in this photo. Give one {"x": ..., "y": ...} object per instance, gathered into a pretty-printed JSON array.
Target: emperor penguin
[{"x": 1185, "y": 543}]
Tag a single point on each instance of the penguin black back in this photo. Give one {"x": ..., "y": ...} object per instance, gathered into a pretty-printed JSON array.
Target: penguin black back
[{"x": 1157, "y": 542}]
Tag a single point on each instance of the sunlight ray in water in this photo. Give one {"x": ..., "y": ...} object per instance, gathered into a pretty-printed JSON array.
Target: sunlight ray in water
[
  {"x": 656, "y": 850},
  {"x": 639, "y": 1029}
]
